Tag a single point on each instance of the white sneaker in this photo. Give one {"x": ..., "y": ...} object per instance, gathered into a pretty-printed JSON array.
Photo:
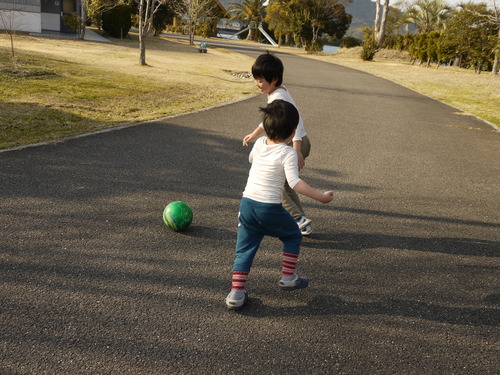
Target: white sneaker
[
  {"x": 236, "y": 299},
  {"x": 303, "y": 222}
]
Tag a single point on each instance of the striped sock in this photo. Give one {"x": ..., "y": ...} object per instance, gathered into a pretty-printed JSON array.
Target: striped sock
[
  {"x": 239, "y": 280},
  {"x": 289, "y": 265}
]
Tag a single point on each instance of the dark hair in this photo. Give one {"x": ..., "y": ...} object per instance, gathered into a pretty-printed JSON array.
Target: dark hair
[
  {"x": 280, "y": 120},
  {"x": 269, "y": 67}
]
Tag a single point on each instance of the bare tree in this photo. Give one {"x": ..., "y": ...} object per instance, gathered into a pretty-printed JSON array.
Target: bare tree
[
  {"x": 147, "y": 9},
  {"x": 380, "y": 22},
  {"x": 193, "y": 11},
  {"x": 83, "y": 15},
  {"x": 497, "y": 48},
  {"x": 8, "y": 22}
]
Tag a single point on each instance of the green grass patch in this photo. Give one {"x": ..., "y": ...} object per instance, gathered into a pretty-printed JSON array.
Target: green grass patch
[{"x": 43, "y": 98}]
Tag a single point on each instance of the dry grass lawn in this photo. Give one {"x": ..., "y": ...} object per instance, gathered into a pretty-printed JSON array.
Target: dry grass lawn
[
  {"x": 65, "y": 87},
  {"x": 478, "y": 94}
]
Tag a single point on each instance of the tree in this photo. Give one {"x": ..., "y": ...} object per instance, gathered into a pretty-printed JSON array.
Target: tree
[
  {"x": 146, "y": 12},
  {"x": 160, "y": 19},
  {"x": 428, "y": 15},
  {"x": 446, "y": 48},
  {"x": 193, "y": 11},
  {"x": 250, "y": 11},
  {"x": 309, "y": 19},
  {"x": 95, "y": 8},
  {"x": 277, "y": 16},
  {"x": 494, "y": 69},
  {"x": 432, "y": 48},
  {"x": 8, "y": 22},
  {"x": 392, "y": 27},
  {"x": 380, "y": 22},
  {"x": 472, "y": 38},
  {"x": 337, "y": 21},
  {"x": 491, "y": 17},
  {"x": 117, "y": 21},
  {"x": 83, "y": 18},
  {"x": 147, "y": 9},
  {"x": 419, "y": 48},
  {"x": 403, "y": 42}
]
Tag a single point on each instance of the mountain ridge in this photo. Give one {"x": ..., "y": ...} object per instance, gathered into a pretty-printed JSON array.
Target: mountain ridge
[{"x": 363, "y": 15}]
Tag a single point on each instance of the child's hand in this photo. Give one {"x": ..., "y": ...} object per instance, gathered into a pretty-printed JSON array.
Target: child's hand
[
  {"x": 247, "y": 139},
  {"x": 253, "y": 135},
  {"x": 327, "y": 197},
  {"x": 297, "y": 146},
  {"x": 301, "y": 160}
]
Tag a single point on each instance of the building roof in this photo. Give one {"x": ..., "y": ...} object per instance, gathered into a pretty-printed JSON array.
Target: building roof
[{"x": 226, "y": 3}]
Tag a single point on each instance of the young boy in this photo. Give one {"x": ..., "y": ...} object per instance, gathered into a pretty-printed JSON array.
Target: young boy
[
  {"x": 268, "y": 74},
  {"x": 261, "y": 213}
]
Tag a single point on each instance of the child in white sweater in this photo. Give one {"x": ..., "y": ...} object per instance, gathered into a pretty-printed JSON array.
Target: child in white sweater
[{"x": 261, "y": 213}]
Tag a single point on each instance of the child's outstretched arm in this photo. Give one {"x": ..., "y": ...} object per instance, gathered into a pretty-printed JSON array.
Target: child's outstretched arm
[
  {"x": 252, "y": 136},
  {"x": 304, "y": 188}
]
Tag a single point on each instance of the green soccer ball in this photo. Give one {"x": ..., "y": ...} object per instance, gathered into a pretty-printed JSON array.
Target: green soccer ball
[{"x": 178, "y": 216}]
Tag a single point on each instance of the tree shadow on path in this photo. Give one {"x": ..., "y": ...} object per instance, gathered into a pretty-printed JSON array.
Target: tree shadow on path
[
  {"x": 362, "y": 241},
  {"x": 329, "y": 305}
]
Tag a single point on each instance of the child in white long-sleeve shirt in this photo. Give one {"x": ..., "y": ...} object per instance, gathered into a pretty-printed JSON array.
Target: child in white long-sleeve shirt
[{"x": 261, "y": 213}]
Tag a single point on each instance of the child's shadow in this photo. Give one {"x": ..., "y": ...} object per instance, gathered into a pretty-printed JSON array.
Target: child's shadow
[{"x": 331, "y": 305}]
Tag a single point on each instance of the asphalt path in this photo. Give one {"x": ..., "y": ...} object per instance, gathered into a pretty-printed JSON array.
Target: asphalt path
[{"x": 403, "y": 265}]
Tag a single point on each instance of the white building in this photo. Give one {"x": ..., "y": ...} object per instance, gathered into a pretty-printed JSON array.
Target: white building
[{"x": 35, "y": 16}]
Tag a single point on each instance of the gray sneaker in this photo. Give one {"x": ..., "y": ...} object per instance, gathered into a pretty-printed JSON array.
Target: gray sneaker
[
  {"x": 306, "y": 231},
  {"x": 296, "y": 283}
]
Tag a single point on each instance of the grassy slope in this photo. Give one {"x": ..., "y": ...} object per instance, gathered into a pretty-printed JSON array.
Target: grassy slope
[
  {"x": 461, "y": 88},
  {"x": 65, "y": 87}
]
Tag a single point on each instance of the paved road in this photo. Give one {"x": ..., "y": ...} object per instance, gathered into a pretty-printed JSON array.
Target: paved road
[{"x": 404, "y": 266}]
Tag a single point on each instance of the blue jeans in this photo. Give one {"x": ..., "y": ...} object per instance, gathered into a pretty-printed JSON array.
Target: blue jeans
[{"x": 257, "y": 220}]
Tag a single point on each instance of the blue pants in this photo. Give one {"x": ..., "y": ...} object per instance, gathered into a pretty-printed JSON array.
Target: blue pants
[{"x": 257, "y": 220}]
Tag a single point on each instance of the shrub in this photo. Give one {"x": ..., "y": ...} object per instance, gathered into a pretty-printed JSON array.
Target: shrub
[
  {"x": 314, "y": 47},
  {"x": 370, "y": 48},
  {"x": 205, "y": 29},
  {"x": 350, "y": 42},
  {"x": 160, "y": 19},
  {"x": 403, "y": 42},
  {"x": 174, "y": 29},
  {"x": 74, "y": 21},
  {"x": 117, "y": 21}
]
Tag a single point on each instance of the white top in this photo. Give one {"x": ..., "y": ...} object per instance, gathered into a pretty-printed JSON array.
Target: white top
[
  {"x": 271, "y": 165},
  {"x": 283, "y": 94}
]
